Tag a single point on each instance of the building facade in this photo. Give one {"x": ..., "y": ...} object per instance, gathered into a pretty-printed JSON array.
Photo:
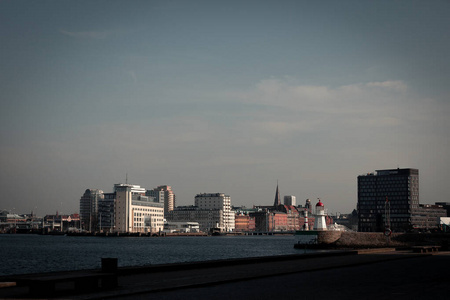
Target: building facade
[
  {"x": 206, "y": 218},
  {"x": 218, "y": 201},
  {"x": 426, "y": 217},
  {"x": 89, "y": 208},
  {"x": 164, "y": 194},
  {"x": 62, "y": 223},
  {"x": 211, "y": 211},
  {"x": 244, "y": 223},
  {"x": 136, "y": 212},
  {"x": 393, "y": 192},
  {"x": 106, "y": 212},
  {"x": 290, "y": 200}
]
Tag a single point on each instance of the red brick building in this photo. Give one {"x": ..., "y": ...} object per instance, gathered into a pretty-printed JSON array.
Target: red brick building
[{"x": 243, "y": 222}]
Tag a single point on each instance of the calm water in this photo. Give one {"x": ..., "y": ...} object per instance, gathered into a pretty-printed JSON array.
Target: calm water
[{"x": 21, "y": 254}]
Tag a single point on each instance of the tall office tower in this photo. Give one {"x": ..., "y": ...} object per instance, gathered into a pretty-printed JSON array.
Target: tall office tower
[
  {"x": 289, "y": 200},
  {"x": 220, "y": 202},
  {"x": 135, "y": 212},
  {"x": 400, "y": 187},
  {"x": 89, "y": 208},
  {"x": 169, "y": 198}
]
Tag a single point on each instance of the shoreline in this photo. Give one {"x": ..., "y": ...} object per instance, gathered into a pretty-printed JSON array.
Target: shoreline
[
  {"x": 178, "y": 278},
  {"x": 178, "y": 266},
  {"x": 362, "y": 240}
]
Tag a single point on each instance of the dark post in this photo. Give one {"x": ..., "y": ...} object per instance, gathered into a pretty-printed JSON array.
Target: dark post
[{"x": 109, "y": 265}]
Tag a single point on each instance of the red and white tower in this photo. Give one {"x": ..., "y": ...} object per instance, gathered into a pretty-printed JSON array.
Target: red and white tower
[{"x": 320, "y": 223}]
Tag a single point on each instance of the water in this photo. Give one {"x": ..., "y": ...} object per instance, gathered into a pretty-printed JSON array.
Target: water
[{"x": 22, "y": 254}]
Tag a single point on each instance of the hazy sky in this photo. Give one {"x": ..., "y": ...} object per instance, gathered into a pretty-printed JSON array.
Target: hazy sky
[{"x": 221, "y": 96}]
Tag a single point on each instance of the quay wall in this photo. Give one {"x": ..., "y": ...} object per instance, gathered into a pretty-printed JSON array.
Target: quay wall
[{"x": 345, "y": 239}]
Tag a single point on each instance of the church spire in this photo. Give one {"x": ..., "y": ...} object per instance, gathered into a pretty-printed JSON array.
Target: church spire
[{"x": 277, "y": 197}]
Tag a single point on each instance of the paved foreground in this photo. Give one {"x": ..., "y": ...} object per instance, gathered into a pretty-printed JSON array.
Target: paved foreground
[{"x": 370, "y": 275}]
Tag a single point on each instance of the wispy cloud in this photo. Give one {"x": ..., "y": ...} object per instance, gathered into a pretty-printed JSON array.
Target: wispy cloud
[
  {"x": 379, "y": 108},
  {"x": 87, "y": 34},
  {"x": 366, "y": 100}
]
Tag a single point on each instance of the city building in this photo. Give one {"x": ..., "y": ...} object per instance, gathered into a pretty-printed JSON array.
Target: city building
[
  {"x": 270, "y": 221},
  {"x": 12, "y": 222},
  {"x": 221, "y": 202},
  {"x": 261, "y": 217},
  {"x": 157, "y": 194},
  {"x": 244, "y": 223},
  {"x": 206, "y": 218},
  {"x": 211, "y": 211},
  {"x": 393, "y": 192},
  {"x": 446, "y": 206},
  {"x": 62, "y": 223},
  {"x": 89, "y": 208},
  {"x": 426, "y": 217},
  {"x": 293, "y": 217},
  {"x": 106, "y": 212},
  {"x": 136, "y": 212},
  {"x": 290, "y": 200},
  {"x": 164, "y": 194},
  {"x": 181, "y": 227},
  {"x": 278, "y": 217}
]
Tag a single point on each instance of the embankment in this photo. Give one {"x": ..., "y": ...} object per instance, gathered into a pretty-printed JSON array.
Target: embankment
[{"x": 343, "y": 239}]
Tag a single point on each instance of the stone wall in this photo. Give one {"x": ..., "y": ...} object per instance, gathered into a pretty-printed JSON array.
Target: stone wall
[
  {"x": 368, "y": 240},
  {"x": 328, "y": 237},
  {"x": 345, "y": 239}
]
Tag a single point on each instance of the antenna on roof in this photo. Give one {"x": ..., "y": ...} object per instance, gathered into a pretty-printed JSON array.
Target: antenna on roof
[{"x": 126, "y": 179}]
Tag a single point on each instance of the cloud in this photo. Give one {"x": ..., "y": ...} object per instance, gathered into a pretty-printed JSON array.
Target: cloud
[
  {"x": 394, "y": 85},
  {"x": 87, "y": 34},
  {"x": 363, "y": 114},
  {"x": 364, "y": 100}
]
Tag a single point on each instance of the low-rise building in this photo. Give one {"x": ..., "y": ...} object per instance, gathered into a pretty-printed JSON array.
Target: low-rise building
[
  {"x": 62, "y": 223},
  {"x": 181, "y": 227},
  {"x": 427, "y": 217},
  {"x": 206, "y": 218}
]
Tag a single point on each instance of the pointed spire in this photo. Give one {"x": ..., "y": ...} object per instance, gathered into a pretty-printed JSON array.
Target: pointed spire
[{"x": 277, "y": 197}]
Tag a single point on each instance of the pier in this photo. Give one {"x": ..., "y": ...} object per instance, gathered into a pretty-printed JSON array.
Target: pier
[{"x": 362, "y": 274}]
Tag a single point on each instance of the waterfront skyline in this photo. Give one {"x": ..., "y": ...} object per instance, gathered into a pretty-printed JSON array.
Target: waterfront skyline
[{"x": 207, "y": 96}]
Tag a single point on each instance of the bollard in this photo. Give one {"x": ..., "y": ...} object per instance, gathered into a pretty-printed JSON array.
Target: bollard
[{"x": 109, "y": 265}]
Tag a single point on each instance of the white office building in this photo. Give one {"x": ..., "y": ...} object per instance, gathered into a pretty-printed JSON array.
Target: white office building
[
  {"x": 135, "y": 212},
  {"x": 220, "y": 202}
]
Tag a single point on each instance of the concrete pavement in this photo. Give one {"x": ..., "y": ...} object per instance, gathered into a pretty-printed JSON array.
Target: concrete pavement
[{"x": 362, "y": 275}]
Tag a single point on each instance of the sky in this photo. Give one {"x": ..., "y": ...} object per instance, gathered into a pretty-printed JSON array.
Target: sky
[{"x": 221, "y": 96}]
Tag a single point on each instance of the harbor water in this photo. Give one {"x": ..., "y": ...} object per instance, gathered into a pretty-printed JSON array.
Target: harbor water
[{"x": 23, "y": 254}]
